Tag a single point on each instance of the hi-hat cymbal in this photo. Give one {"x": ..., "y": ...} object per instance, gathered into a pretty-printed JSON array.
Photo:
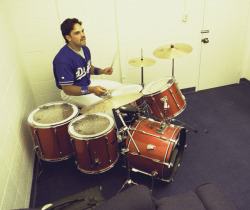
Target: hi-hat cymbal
[
  {"x": 142, "y": 62},
  {"x": 172, "y": 51},
  {"x": 110, "y": 103}
]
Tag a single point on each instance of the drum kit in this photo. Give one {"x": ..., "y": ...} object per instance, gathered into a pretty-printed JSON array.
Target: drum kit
[{"x": 96, "y": 140}]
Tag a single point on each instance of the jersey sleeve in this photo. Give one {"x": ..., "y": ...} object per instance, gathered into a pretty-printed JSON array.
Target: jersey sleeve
[{"x": 64, "y": 73}]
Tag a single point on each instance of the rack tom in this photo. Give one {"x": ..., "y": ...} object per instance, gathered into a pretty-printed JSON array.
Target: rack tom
[{"x": 164, "y": 89}]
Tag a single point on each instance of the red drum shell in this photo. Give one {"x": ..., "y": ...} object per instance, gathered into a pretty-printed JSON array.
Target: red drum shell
[
  {"x": 158, "y": 159},
  {"x": 97, "y": 153},
  {"x": 175, "y": 99},
  {"x": 52, "y": 141}
]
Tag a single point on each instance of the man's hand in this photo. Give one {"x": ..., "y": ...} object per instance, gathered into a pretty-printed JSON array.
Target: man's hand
[
  {"x": 108, "y": 71},
  {"x": 97, "y": 90}
]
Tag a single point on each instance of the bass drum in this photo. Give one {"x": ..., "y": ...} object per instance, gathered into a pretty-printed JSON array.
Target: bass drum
[
  {"x": 49, "y": 127},
  {"x": 160, "y": 153},
  {"x": 94, "y": 142}
]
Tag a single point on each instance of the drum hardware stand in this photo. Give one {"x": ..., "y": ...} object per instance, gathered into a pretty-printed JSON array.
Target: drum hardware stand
[
  {"x": 125, "y": 151},
  {"x": 163, "y": 127},
  {"x": 37, "y": 148},
  {"x": 195, "y": 130},
  {"x": 142, "y": 84},
  {"x": 39, "y": 169},
  {"x": 153, "y": 175},
  {"x": 128, "y": 180},
  {"x": 172, "y": 66},
  {"x": 126, "y": 129}
]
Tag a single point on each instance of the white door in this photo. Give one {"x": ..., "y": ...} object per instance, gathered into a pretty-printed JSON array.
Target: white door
[{"x": 221, "y": 56}]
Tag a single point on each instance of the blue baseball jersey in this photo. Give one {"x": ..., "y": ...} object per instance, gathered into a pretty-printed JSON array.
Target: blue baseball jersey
[{"x": 72, "y": 69}]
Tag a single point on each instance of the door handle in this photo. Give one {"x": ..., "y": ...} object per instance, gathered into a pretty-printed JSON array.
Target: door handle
[{"x": 205, "y": 40}]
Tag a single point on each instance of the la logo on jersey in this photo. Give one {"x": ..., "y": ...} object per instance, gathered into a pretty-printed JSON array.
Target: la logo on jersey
[{"x": 81, "y": 72}]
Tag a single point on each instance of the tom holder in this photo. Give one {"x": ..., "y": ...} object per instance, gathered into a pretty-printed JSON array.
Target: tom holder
[{"x": 163, "y": 127}]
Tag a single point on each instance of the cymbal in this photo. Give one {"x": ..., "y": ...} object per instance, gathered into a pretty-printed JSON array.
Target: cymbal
[
  {"x": 172, "y": 51},
  {"x": 110, "y": 103},
  {"x": 138, "y": 62}
]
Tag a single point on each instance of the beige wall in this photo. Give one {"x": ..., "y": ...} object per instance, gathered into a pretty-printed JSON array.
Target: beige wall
[
  {"x": 17, "y": 100},
  {"x": 246, "y": 51}
]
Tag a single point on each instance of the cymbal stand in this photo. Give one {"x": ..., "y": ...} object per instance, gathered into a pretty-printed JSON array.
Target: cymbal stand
[
  {"x": 125, "y": 152},
  {"x": 142, "y": 83},
  {"x": 173, "y": 67},
  {"x": 172, "y": 46}
]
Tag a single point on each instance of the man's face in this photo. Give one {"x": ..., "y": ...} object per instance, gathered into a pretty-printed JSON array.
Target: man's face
[{"x": 77, "y": 37}]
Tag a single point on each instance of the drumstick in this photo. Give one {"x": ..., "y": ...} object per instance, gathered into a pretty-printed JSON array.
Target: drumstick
[{"x": 114, "y": 58}]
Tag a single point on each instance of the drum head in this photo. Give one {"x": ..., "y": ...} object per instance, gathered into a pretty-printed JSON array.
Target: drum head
[
  {"x": 52, "y": 114},
  {"x": 90, "y": 126},
  {"x": 127, "y": 89},
  {"x": 158, "y": 86}
]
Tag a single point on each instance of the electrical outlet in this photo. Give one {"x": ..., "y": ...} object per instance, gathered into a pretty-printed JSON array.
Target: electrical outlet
[{"x": 185, "y": 17}]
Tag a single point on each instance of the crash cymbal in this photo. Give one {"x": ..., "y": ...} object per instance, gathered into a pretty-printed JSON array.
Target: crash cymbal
[
  {"x": 110, "y": 103},
  {"x": 139, "y": 62},
  {"x": 172, "y": 51}
]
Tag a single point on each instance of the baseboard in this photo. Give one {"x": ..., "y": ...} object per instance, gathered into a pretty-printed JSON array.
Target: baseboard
[
  {"x": 244, "y": 81},
  {"x": 188, "y": 90}
]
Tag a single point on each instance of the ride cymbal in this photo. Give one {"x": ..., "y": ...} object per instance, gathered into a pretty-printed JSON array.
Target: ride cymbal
[
  {"x": 142, "y": 62},
  {"x": 110, "y": 103},
  {"x": 172, "y": 51}
]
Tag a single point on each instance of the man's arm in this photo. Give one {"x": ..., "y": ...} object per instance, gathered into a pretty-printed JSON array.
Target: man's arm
[
  {"x": 108, "y": 70},
  {"x": 74, "y": 90}
]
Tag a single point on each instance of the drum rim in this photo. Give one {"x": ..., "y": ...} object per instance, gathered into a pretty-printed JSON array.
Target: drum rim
[
  {"x": 158, "y": 91},
  {"x": 129, "y": 85},
  {"x": 78, "y": 136},
  {"x": 35, "y": 124}
]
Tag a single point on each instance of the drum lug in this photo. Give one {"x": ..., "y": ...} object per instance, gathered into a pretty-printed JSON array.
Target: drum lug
[
  {"x": 39, "y": 144},
  {"x": 97, "y": 162},
  {"x": 77, "y": 163},
  {"x": 57, "y": 141},
  {"x": 151, "y": 147},
  {"x": 185, "y": 146},
  {"x": 107, "y": 144}
]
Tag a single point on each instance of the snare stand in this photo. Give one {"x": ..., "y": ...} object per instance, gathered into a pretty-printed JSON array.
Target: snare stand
[{"x": 125, "y": 152}]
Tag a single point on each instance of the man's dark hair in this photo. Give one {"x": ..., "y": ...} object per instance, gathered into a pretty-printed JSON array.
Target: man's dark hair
[{"x": 67, "y": 26}]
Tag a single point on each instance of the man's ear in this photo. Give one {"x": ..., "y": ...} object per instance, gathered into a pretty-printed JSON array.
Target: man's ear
[{"x": 68, "y": 37}]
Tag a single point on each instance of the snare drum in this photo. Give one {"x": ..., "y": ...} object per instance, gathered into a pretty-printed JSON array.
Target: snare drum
[
  {"x": 160, "y": 151},
  {"x": 130, "y": 111},
  {"x": 156, "y": 92},
  {"x": 49, "y": 128},
  {"x": 94, "y": 142}
]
